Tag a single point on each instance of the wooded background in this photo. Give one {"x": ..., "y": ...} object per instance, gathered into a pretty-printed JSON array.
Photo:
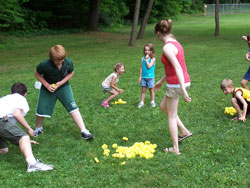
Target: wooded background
[{"x": 32, "y": 15}]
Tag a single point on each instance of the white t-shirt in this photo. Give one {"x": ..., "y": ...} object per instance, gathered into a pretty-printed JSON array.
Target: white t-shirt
[
  {"x": 11, "y": 102},
  {"x": 106, "y": 82}
]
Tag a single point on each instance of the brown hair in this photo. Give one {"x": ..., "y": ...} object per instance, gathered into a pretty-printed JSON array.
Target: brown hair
[
  {"x": 57, "y": 52},
  {"x": 118, "y": 66},
  {"x": 151, "y": 48},
  {"x": 226, "y": 83},
  {"x": 164, "y": 27},
  {"x": 19, "y": 88}
]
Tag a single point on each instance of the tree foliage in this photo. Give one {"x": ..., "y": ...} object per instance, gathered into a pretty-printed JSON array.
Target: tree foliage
[{"x": 29, "y": 15}]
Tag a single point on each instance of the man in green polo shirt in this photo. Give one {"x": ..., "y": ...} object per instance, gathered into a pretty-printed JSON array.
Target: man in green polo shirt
[{"x": 54, "y": 74}]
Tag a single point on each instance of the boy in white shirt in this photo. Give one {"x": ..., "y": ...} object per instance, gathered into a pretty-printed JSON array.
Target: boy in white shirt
[{"x": 13, "y": 108}]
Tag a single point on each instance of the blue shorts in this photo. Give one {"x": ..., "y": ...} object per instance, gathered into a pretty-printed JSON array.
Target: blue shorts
[
  {"x": 247, "y": 75},
  {"x": 148, "y": 82}
]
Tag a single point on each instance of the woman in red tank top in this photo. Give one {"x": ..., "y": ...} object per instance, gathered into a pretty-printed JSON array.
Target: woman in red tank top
[{"x": 178, "y": 82}]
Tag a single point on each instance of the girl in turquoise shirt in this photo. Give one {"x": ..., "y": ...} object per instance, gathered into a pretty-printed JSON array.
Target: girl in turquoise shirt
[{"x": 147, "y": 74}]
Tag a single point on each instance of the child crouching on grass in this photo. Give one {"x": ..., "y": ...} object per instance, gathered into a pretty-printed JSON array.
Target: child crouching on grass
[
  {"x": 240, "y": 98},
  {"x": 109, "y": 85}
]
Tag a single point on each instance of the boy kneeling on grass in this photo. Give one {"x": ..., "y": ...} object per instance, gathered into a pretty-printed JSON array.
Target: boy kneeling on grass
[{"x": 240, "y": 98}]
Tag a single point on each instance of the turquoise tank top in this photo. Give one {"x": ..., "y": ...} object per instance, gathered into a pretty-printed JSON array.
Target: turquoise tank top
[{"x": 146, "y": 72}]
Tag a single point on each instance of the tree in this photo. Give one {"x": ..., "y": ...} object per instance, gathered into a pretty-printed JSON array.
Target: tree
[
  {"x": 217, "y": 26},
  {"x": 93, "y": 15},
  {"x": 145, "y": 19},
  {"x": 135, "y": 23}
]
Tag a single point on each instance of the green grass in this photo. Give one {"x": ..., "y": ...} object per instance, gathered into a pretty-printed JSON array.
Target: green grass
[{"x": 217, "y": 155}]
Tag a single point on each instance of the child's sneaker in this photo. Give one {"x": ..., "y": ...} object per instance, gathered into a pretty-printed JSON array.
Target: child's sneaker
[
  {"x": 38, "y": 131},
  {"x": 39, "y": 166},
  {"x": 105, "y": 104},
  {"x": 141, "y": 104},
  {"x": 153, "y": 104},
  {"x": 86, "y": 135}
]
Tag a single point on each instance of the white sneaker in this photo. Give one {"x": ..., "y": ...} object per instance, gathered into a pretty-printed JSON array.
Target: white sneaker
[
  {"x": 153, "y": 104},
  {"x": 141, "y": 104},
  {"x": 38, "y": 131},
  {"x": 38, "y": 166}
]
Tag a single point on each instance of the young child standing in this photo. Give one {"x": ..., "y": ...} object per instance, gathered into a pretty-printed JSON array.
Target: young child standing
[
  {"x": 147, "y": 74},
  {"x": 54, "y": 74},
  {"x": 178, "y": 82},
  {"x": 109, "y": 85},
  {"x": 246, "y": 78},
  {"x": 240, "y": 99}
]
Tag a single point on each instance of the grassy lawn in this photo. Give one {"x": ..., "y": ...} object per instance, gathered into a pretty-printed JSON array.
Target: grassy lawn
[{"x": 218, "y": 153}]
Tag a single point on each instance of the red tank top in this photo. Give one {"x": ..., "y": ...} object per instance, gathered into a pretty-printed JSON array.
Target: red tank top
[{"x": 169, "y": 69}]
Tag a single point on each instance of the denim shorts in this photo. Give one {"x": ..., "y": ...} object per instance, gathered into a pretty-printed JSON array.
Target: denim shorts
[
  {"x": 148, "y": 82},
  {"x": 247, "y": 75}
]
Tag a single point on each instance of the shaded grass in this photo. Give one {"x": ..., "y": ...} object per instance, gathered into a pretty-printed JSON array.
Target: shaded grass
[{"x": 217, "y": 155}]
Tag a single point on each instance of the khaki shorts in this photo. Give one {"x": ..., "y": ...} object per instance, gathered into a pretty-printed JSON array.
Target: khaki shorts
[
  {"x": 11, "y": 132},
  {"x": 174, "y": 93}
]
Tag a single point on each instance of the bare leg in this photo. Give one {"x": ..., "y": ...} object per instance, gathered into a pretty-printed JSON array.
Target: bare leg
[
  {"x": 78, "y": 119},
  {"x": 113, "y": 93},
  {"x": 4, "y": 150},
  {"x": 183, "y": 130},
  {"x": 39, "y": 121},
  {"x": 172, "y": 106},
  {"x": 237, "y": 107},
  {"x": 244, "y": 84},
  {"x": 25, "y": 147},
  {"x": 143, "y": 93},
  {"x": 152, "y": 94}
]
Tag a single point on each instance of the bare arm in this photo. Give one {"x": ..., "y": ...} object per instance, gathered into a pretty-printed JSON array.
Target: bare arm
[
  {"x": 245, "y": 38},
  {"x": 247, "y": 57},
  {"x": 238, "y": 95},
  {"x": 113, "y": 85},
  {"x": 64, "y": 80},
  {"x": 140, "y": 73},
  {"x": 158, "y": 85},
  {"x": 19, "y": 117},
  {"x": 48, "y": 86},
  {"x": 149, "y": 65},
  {"x": 170, "y": 51}
]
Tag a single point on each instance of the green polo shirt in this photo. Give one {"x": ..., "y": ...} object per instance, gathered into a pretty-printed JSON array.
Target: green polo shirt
[{"x": 51, "y": 73}]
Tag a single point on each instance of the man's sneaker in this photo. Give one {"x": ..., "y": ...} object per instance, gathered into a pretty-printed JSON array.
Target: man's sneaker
[
  {"x": 153, "y": 104},
  {"x": 141, "y": 104},
  {"x": 38, "y": 131},
  {"x": 39, "y": 166},
  {"x": 105, "y": 104},
  {"x": 87, "y": 135}
]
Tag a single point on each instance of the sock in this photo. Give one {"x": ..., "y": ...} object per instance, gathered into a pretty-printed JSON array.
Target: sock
[
  {"x": 152, "y": 102},
  {"x": 31, "y": 160},
  {"x": 85, "y": 131}
]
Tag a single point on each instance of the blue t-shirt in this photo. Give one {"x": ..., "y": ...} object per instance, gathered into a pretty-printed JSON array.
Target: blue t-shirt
[{"x": 146, "y": 72}]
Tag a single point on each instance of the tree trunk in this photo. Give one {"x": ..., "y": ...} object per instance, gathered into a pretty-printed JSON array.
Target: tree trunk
[
  {"x": 93, "y": 15},
  {"x": 217, "y": 26},
  {"x": 135, "y": 23},
  {"x": 145, "y": 19}
]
